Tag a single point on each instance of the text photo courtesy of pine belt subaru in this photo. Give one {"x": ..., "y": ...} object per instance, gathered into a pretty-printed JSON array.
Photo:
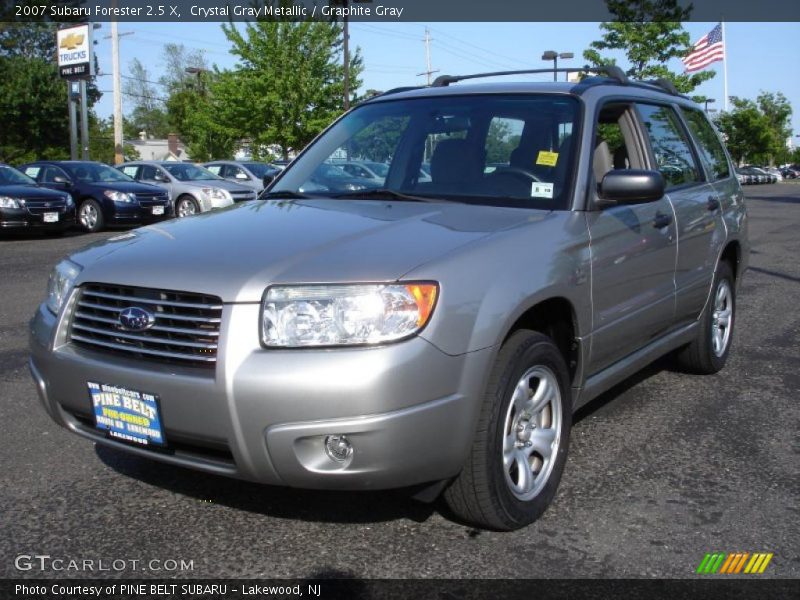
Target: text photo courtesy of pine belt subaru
[
  {"x": 25, "y": 205},
  {"x": 103, "y": 195},
  {"x": 192, "y": 189},
  {"x": 435, "y": 333}
]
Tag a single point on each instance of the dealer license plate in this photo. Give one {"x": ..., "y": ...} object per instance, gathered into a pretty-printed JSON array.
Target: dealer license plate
[
  {"x": 127, "y": 415},
  {"x": 158, "y": 210},
  {"x": 51, "y": 217}
]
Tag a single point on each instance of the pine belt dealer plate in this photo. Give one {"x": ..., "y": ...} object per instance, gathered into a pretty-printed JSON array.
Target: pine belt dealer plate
[{"x": 127, "y": 415}]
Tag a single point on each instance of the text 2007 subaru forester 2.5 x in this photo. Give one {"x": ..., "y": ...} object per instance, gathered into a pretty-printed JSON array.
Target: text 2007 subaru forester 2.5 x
[{"x": 438, "y": 331}]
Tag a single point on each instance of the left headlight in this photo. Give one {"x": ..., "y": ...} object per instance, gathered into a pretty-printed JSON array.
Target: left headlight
[
  {"x": 61, "y": 281},
  {"x": 9, "y": 202},
  {"x": 119, "y": 196},
  {"x": 340, "y": 315}
]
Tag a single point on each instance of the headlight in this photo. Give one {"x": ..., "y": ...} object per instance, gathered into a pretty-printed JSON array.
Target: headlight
[
  {"x": 68, "y": 200},
  {"x": 334, "y": 315},
  {"x": 8, "y": 202},
  {"x": 119, "y": 196},
  {"x": 217, "y": 193},
  {"x": 60, "y": 283}
]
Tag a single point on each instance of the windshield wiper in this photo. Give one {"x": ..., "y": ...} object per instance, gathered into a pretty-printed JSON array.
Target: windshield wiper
[
  {"x": 279, "y": 194},
  {"x": 387, "y": 194}
]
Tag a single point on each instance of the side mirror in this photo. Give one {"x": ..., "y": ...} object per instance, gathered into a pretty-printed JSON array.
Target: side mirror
[
  {"x": 630, "y": 186},
  {"x": 267, "y": 179},
  {"x": 61, "y": 180},
  {"x": 160, "y": 177},
  {"x": 241, "y": 177}
]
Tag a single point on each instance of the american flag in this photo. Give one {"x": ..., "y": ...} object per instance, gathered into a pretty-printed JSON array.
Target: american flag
[{"x": 708, "y": 49}]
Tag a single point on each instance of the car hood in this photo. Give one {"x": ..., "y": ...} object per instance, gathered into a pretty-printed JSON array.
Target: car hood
[
  {"x": 218, "y": 183},
  {"x": 30, "y": 192},
  {"x": 235, "y": 253},
  {"x": 128, "y": 187}
]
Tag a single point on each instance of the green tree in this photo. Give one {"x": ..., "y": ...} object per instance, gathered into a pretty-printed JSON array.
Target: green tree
[
  {"x": 101, "y": 141},
  {"x": 777, "y": 112},
  {"x": 745, "y": 130},
  {"x": 288, "y": 85},
  {"x": 649, "y": 32},
  {"x": 33, "y": 102}
]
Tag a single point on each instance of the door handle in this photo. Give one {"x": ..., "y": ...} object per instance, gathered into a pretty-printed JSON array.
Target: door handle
[
  {"x": 661, "y": 220},
  {"x": 713, "y": 203}
]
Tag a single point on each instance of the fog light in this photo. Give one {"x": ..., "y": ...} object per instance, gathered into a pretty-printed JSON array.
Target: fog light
[{"x": 338, "y": 447}]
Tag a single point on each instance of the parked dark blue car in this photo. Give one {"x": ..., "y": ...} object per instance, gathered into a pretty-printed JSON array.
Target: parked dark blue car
[
  {"x": 104, "y": 195},
  {"x": 26, "y": 205}
]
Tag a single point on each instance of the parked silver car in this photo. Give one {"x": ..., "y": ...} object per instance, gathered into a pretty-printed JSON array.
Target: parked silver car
[
  {"x": 254, "y": 174},
  {"x": 437, "y": 334},
  {"x": 192, "y": 188}
]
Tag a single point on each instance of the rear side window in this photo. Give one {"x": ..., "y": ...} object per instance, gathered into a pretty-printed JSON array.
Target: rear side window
[
  {"x": 673, "y": 154},
  {"x": 711, "y": 151}
]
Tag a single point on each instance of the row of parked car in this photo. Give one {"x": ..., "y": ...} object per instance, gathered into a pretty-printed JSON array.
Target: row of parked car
[
  {"x": 750, "y": 175},
  {"x": 53, "y": 196}
]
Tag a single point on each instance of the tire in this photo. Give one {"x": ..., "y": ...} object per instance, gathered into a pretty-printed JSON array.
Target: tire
[
  {"x": 490, "y": 491},
  {"x": 186, "y": 206},
  {"x": 90, "y": 216},
  {"x": 709, "y": 351}
]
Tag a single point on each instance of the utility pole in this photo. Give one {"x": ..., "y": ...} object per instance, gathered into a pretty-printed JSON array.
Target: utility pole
[
  {"x": 429, "y": 70},
  {"x": 117, "y": 87},
  {"x": 118, "y": 158}
]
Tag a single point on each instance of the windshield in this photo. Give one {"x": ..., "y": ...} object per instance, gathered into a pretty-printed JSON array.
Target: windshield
[
  {"x": 509, "y": 150},
  {"x": 187, "y": 172},
  {"x": 10, "y": 176},
  {"x": 95, "y": 173},
  {"x": 259, "y": 169}
]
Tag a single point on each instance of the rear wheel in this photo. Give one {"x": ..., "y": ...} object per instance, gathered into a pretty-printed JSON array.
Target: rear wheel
[
  {"x": 520, "y": 446},
  {"x": 708, "y": 352},
  {"x": 90, "y": 216},
  {"x": 186, "y": 206}
]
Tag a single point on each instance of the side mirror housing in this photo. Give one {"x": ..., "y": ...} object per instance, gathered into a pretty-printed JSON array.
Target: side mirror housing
[
  {"x": 61, "y": 180},
  {"x": 630, "y": 186},
  {"x": 241, "y": 177},
  {"x": 267, "y": 179}
]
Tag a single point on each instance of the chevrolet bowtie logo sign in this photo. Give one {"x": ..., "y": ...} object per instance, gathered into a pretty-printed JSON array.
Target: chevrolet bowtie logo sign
[{"x": 71, "y": 41}]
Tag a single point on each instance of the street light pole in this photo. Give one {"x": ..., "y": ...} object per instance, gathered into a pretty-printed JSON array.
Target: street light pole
[
  {"x": 708, "y": 101},
  {"x": 554, "y": 56}
]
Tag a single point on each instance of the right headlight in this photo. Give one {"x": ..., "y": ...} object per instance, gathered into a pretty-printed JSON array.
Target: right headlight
[
  {"x": 61, "y": 282},
  {"x": 119, "y": 196},
  {"x": 216, "y": 193},
  {"x": 347, "y": 314}
]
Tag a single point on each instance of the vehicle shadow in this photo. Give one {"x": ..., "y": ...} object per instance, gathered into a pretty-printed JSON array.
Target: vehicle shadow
[
  {"x": 285, "y": 503},
  {"x": 11, "y": 235}
]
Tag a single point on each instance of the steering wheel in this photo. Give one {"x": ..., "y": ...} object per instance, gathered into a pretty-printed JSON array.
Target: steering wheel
[{"x": 516, "y": 172}]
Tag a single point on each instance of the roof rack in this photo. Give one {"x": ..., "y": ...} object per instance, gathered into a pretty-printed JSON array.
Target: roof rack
[{"x": 611, "y": 71}]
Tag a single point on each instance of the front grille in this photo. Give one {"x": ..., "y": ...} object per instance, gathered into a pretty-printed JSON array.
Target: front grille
[
  {"x": 39, "y": 207},
  {"x": 186, "y": 329},
  {"x": 242, "y": 196},
  {"x": 146, "y": 200}
]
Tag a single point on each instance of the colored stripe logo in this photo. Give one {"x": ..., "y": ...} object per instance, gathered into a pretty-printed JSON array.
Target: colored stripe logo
[{"x": 734, "y": 563}]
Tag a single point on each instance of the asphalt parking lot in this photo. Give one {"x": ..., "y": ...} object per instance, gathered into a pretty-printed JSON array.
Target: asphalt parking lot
[{"x": 662, "y": 469}]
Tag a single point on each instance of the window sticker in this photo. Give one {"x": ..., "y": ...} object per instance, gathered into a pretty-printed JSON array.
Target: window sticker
[
  {"x": 548, "y": 159},
  {"x": 541, "y": 189}
]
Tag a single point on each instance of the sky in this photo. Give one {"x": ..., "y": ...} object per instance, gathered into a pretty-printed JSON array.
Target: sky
[{"x": 760, "y": 56}]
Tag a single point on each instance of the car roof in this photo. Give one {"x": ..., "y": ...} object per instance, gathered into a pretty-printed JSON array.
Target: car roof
[{"x": 598, "y": 85}]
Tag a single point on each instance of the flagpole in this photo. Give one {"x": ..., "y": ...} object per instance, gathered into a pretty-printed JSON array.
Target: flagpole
[{"x": 725, "y": 65}]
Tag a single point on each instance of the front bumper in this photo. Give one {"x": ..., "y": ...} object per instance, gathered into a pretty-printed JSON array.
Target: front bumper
[
  {"x": 134, "y": 214},
  {"x": 408, "y": 409},
  {"x": 21, "y": 218}
]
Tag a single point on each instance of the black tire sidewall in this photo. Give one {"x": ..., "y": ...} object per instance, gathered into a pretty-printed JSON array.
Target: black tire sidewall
[
  {"x": 534, "y": 350},
  {"x": 723, "y": 273}
]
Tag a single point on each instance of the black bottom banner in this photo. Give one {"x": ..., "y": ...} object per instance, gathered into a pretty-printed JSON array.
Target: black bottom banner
[{"x": 412, "y": 589}]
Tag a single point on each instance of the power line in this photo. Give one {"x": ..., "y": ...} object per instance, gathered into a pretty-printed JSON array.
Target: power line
[{"x": 486, "y": 50}]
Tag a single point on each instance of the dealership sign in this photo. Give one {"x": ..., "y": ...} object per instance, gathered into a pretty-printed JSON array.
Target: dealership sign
[{"x": 74, "y": 52}]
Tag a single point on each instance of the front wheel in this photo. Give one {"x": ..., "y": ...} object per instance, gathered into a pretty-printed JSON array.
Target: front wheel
[
  {"x": 186, "y": 206},
  {"x": 90, "y": 216},
  {"x": 520, "y": 446},
  {"x": 708, "y": 352}
]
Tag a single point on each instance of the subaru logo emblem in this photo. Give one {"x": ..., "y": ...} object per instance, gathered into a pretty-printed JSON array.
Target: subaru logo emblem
[{"x": 134, "y": 318}]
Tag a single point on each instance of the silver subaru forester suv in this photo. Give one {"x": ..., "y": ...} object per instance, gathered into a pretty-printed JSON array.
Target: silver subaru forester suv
[{"x": 434, "y": 333}]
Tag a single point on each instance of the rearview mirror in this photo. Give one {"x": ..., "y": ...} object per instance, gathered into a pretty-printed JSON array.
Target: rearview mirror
[{"x": 630, "y": 186}]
